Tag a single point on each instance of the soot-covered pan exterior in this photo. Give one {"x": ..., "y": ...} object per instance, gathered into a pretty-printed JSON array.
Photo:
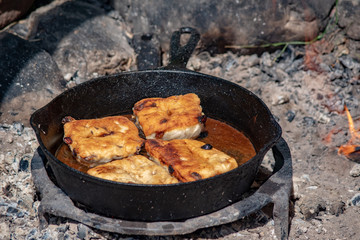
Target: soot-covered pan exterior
[{"x": 116, "y": 94}]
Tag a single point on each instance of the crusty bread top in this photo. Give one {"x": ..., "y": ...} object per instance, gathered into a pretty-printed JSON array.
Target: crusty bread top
[
  {"x": 96, "y": 141},
  {"x": 189, "y": 160},
  {"x": 135, "y": 169},
  {"x": 156, "y": 116}
]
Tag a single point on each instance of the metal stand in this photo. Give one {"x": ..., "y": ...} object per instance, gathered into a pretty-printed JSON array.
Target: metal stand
[{"x": 275, "y": 190}]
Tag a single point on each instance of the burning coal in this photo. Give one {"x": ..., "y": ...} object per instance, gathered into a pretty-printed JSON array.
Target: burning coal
[{"x": 352, "y": 148}]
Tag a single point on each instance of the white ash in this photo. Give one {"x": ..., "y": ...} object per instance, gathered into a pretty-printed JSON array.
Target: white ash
[{"x": 355, "y": 171}]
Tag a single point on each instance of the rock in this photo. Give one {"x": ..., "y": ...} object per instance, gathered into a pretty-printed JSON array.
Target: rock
[
  {"x": 48, "y": 235},
  {"x": 26, "y": 72},
  {"x": 298, "y": 185},
  {"x": 337, "y": 208},
  {"x": 10, "y": 10},
  {"x": 4, "y": 229},
  {"x": 279, "y": 99},
  {"x": 290, "y": 115},
  {"x": 302, "y": 230},
  {"x": 223, "y": 23},
  {"x": 62, "y": 228},
  {"x": 28, "y": 149},
  {"x": 9, "y": 138},
  {"x": 324, "y": 119},
  {"x": 355, "y": 201},
  {"x": 324, "y": 67},
  {"x": 355, "y": 171},
  {"x": 32, "y": 234},
  {"x": 194, "y": 64},
  {"x": 82, "y": 231},
  {"x": 348, "y": 12},
  {"x": 226, "y": 230},
  {"x": 347, "y": 62},
  {"x": 295, "y": 66},
  {"x": 266, "y": 59},
  {"x": 19, "y": 128},
  {"x": 230, "y": 63},
  {"x": 309, "y": 121},
  {"x": 281, "y": 75},
  {"x": 11, "y": 211},
  {"x": 310, "y": 206},
  {"x": 336, "y": 74},
  {"x": 252, "y": 61},
  {"x": 23, "y": 165},
  {"x": 82, "y": 40},
  {"x": 254, "y": 71},
  {"x": 341, "y": 82}
]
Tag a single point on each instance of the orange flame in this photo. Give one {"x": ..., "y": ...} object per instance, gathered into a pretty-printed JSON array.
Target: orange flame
[{"x": 352, "y": 149}]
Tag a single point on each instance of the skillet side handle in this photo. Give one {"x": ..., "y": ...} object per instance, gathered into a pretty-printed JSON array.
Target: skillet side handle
[
  {"x": 180, "y": 55},
  {"x": 281, "y": 196},
  {"x": 282, "y": 155}
]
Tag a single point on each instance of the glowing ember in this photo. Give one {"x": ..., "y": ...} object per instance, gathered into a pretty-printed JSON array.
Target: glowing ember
[{"x": 352, "y": 149}]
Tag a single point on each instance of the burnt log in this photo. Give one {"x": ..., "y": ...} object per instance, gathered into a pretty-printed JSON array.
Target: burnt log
[
  {"x": 83, "y": 39},
  {"x": 11, "y": 10},
  {"x": 29, "y": 78},
  {"x": 223, "y": 23},
  {"x": 349, "y": 18}
]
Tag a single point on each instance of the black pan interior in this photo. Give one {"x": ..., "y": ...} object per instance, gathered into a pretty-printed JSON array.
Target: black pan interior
[{"x": 117, "y": 94}]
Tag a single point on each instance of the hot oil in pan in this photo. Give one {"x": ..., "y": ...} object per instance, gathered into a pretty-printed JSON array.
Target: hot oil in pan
[
  {"x": 229, "y": 140},
  {"x": 220, "y": 135}
]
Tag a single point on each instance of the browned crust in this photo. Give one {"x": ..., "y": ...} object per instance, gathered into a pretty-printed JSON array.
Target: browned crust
[
  {"x": 160, "y": 115},
  {"x": 95, "y": 141},
  {"x": 187, "y": 161},
  {"x": 135, "y": 169}
]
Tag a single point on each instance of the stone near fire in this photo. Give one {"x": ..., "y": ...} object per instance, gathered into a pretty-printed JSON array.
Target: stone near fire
[
  {"x": 290, "y": 115},
  {"x": 83, "y": 39},
  {"x": 29, "y": 79},
  {"x": 10, "y": 10},
  {"x": 310, "y": 206},
  {"x": 228, "y": 22},
  {"x": 279, "y": 98},
  {"x": 23, "y": 165},
  {"x": 355, "y": 200},
  {"x": 348, "y": 12},
  {"x": 355, "y": 171},
  {"x": 5, "y": 229},
  {"x": 349, "y": 17},
  {"x": 336, "y": 208},
  {"x": 82, "y": 231}
]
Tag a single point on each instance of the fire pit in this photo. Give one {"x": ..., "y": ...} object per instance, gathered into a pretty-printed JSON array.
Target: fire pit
[
  {"x": 195, "y": 200},
  {"x": 352, "y": 149},
  {"x": 275, "y": 190},
  {"x": 305, "y": 87}
]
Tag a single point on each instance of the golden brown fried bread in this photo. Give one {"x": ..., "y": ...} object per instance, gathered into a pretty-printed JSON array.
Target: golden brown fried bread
[
  {"x": 97, "y": 141},
  {"x": 189, "y": 160},
  {"x": 135, "y": 169},
  {"x": 175, "y": 117}
]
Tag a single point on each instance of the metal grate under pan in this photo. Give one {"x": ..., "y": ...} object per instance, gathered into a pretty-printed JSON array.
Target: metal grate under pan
[{"x": 275, "y": 190}]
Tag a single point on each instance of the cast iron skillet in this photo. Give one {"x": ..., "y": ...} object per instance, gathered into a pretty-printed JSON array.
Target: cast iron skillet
[{"x": 117, "y": 94}]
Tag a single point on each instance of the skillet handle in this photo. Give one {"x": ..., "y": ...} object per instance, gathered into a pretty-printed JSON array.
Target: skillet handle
[
  {"x": 281, "y": 195},
  {"x": 282, "y": 155},
  {"x": 179, "y": 55}
]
